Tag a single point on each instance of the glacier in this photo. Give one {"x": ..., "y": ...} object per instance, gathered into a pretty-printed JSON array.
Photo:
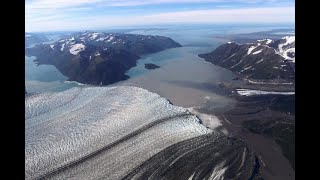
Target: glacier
[{"x": 122, "y": 132}]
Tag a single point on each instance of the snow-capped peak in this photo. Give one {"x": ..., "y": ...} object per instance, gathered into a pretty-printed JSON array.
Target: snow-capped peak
[
  {"x": 287, "y": 49},
  {"x": 268, "y": 41},
  {"x": 289, "y": 39},
  {"x": 94, "y": 36},
  {"x": 265, "y": 41}
]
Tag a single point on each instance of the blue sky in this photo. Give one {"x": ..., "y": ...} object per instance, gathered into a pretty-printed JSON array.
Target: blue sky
[{"x": 53, "y": 15}]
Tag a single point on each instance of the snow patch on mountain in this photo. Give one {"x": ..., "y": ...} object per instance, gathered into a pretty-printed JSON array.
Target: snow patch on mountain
[
  {"x": 110, "y": 38},
  {"x": 259, "y": 61},
  {"x": 246, "y": 68},
  {"x": 94, "y": 36},
  {"x": 285, "y": 54},
  {"x": 283, "y": 51},
  {"x": 257, "y": 52},
  {"x": 101, "y": 39},
  {"x": 75, "y": 49},
  {"x": 62, "y": 47},
  {"x": 289, "y": 39},
  {"x": 251, "y": 48}
]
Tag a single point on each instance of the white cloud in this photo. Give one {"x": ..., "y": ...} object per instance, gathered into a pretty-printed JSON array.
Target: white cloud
[
  {"x": 145, "y": 2},
  {"x": 42, "y": 15},
  {"x": 246, "y": 15},
  {"x": 53, "y": 4},
  {"x": 254, "y": 15}
]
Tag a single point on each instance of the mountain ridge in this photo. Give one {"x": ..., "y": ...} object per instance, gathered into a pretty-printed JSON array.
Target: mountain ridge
[{"x": 261, "y": 60}]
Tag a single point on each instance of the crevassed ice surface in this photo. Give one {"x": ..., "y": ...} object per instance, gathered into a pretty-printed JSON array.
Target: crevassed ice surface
[{"x": 100, "y": 132}]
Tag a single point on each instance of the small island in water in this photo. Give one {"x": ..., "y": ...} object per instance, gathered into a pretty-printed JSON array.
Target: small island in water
[{"x": 150, "y": 66}]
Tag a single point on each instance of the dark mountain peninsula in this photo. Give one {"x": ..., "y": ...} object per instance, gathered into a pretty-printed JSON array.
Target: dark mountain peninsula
[{"x": 98, "y": 58}]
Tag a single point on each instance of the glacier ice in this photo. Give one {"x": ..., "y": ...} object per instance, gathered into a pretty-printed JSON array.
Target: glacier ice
[{"x": 100, "y": 132}]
